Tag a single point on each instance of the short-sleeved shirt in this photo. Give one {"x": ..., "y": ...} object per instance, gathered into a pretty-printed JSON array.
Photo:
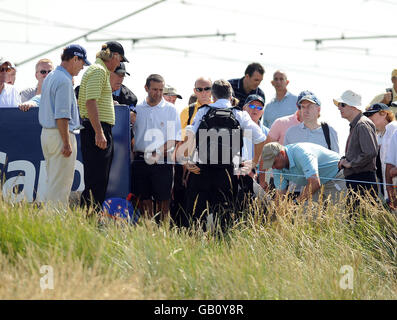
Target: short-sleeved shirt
[
  {"x": 280, "y": 126},
  {"x": 391, "y": 155},
  {"x": 27, "y": 94},
  {"x": 9, "y": 96},
  {"x": 58, "y": 100},
  {"x": 155, "y": 125},
  {"x": 240, "y": 94},
  {"x": 248, "y": 147},
  {"x": 301, "y": 133},
  {"x": 305, "y": 160},
  {"x": 276, "y": 109},
  {"x": 95, "y": 85}
]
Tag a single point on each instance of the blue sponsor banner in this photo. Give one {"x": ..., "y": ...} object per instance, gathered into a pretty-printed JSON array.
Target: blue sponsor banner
[{"x": 22, "y": 165}]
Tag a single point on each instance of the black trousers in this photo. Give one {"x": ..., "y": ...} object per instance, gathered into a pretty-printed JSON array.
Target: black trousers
[
  {"x": 214, "y": 188},
  {"x": 97, "y": 163},
  {"x": 360, "y": 187}
]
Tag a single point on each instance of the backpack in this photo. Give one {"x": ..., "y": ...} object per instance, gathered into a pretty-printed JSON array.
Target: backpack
[
  {"x": 391, "y": 91},
  {"x": 219, "y": 137},
  {"x": 325, "y": 127}
]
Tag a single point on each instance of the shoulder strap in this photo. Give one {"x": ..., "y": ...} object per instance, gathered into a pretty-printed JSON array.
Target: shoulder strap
[
  {"x": 391, "y": 91},
  {"x": 191, "y": 111},
  {"x": 325, "y": 127}
]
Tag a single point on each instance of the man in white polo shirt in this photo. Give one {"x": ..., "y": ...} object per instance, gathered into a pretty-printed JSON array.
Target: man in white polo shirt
[{"x": 157, "y": 128}]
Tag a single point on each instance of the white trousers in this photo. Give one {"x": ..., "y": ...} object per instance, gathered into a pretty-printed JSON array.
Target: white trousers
[{"x": 60, "y": 170}]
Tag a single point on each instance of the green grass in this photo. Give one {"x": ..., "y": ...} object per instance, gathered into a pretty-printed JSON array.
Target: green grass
[{"x": 296, "y": 256}]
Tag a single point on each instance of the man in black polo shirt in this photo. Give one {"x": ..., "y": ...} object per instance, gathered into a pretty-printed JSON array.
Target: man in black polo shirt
[{"x": 249, "y": 84}]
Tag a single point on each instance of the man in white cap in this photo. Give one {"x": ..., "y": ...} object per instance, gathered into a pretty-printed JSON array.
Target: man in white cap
[
  {"x": 305, "y": 164},
  {"x": 359, "y": 162}
]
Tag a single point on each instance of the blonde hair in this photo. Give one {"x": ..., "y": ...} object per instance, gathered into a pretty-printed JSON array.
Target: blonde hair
[
  {"x": 389, "y": 115},
  {"x": 105, "y": 54},
  {"x": 45, "y": 60}
]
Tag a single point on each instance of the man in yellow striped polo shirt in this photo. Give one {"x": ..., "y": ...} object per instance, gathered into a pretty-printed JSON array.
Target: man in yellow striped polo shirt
[{"x": 97, "y": 113}]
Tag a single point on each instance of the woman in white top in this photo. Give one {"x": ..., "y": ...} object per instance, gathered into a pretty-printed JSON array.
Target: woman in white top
[{"x": 385, "y": 122}]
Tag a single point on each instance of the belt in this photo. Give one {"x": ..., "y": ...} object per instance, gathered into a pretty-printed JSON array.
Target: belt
[
  {"x": 86, "y": 121},
  {"x": 139, "y": 154}
]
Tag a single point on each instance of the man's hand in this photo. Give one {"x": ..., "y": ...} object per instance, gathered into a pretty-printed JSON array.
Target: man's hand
[
  {"x": 132, "y": 117},
  {"x": 66, "y": 150},
  {"x": 192, "y": 168},
  {"x": 246, "y": 167},
  {"x": 100, "y": 140},
  {"x": 344, "y": 164},
  {"x": 27, "y": 105},
  {"x": 393, "y": 172},
  {"x": 387, "y": 98}
]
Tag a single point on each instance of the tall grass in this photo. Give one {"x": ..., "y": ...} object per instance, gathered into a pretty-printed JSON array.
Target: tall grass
[{"x": 290, "y": 253}]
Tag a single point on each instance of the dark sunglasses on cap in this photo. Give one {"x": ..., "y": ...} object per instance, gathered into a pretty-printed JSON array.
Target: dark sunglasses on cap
[
  {"x": 45, "y": 71},
  {"x": 6, "y": 69},
  {"x": 203, "y": 89},
  {"x": 252, "y": 106}
]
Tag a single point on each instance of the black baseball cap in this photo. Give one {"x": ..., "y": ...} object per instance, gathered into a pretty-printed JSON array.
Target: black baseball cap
[
  {"x": 254, "y": 97},
  {"x": 121, "y": 69},
  {"x": 115, "y": 46},
  {"x": 376, "y": 107}
]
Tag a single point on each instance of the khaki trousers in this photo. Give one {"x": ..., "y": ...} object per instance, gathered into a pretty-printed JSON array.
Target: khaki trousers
[
  {"x": 60, "y": 170},
  {"x": 332, "y": 188}
]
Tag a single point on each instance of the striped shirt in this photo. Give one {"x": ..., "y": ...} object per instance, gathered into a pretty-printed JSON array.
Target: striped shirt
[{"x": 95, "y": 85}]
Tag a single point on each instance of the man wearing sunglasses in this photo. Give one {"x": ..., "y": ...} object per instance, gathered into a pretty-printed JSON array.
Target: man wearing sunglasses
[
  {"x": 43, "y": 68},
  {"x": 359, "y": 162},
  {"x": 9, "y": 96}
]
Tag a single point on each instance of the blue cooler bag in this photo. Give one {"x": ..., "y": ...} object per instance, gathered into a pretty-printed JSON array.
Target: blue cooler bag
[{"x": 119, "y": 208}]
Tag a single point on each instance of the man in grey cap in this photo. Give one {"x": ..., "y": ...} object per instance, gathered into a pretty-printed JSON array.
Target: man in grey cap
[
  {"x": 170, "y": 94},
  {"x": 307, "y": 164}
]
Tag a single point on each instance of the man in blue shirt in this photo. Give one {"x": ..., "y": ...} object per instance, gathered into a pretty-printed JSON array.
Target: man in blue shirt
[
  {"x": 249, "y": 84},
  {"x": 283, "y": 104},
  {"x": 305, "y": 164},
  {"x": 59, "y": 117}
]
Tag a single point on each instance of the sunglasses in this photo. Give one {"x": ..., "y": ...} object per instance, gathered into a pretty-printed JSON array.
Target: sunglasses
[
  {"x": 45, "y": 71},
  {"x": 252, "y": 106},
  {"x": 6, "y": 69},
  {"x": 342, "y": 104},
  {"x": 203, "y": 89}
]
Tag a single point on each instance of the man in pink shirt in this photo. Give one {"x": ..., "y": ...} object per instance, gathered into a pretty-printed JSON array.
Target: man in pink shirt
[{"x": 280, "y": 127}]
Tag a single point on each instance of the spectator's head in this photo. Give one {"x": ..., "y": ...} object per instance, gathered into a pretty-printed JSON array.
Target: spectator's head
[
  {"x": 394, "y": 77},
  {"x": 154, "y": 87},
  {"x": 280, "y": 81},
  {"x": 12, "y": 76},
  {"x": 170, "y": 94},
  {"x": 117, "y": 77},
  {"x": 274, "y": 156},
  {"x": 112, "y": 53},
  {"x": 193, "y": 98},
  {"x": 309, "y": 106},
  {"x": 253, "y": 76},
  {"x": 202, "y": 89},
  {"x": 221, "y": 89},
  {"x": 349, "y": 105},
  {"x": 43, "y": 67},
  {"x": 254, "y": 105},
  {"x": 74, "y": 58},
  {"x": 6, "y": 67},
  {"x": 381, "y": 115}
]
